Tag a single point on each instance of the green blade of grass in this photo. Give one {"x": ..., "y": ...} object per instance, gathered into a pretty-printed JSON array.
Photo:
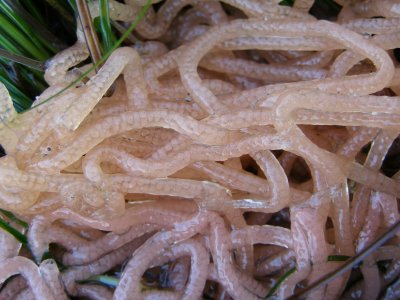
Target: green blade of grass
[
  {"x": 23, "y": 26},
  {"x": 13, "y": 218},
  {"x": 61, "y": 10},
  {"x": 105, "y": 25},
  {"x": 279, "y": 282},
  {"x": 103, "y": 59},
  {"x": 21, "y": 39},
  {"x": 48, "y": 39},
  {"x": 9, "y": 45},
  {"x": 20, "y": 99},
  {"x": 33, "y": 10},
  {"x": 28, "y": 62},
  {"x": 338, "y": 257},
  {"x": 33, "y": 78},
  {"x": 72, "y": 3},
  {"x": 121, "y": 29},
  {"x": 350, "y": 263},
  {"x": 111, "y": 281},
  {"x": 14, "y": 232},
  {"x": 29, "y": 80},
  {"x": 105, "y": 279}
]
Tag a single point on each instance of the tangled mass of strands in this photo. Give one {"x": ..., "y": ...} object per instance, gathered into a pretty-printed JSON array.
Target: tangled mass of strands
[{"x": 226, "y": 148}]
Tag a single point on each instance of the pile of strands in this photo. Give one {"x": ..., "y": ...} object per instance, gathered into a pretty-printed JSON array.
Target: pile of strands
[{"x": 222, "y": 150}]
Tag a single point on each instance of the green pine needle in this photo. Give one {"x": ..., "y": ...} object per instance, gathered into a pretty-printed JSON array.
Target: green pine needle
[
  {"x": 13, "y": 218},
  {"x": 14, "y": 232},
  {"x": 338, "y": 257},
  {"x": 109, "y": 281},
  {"x": 279, "y": 282}
]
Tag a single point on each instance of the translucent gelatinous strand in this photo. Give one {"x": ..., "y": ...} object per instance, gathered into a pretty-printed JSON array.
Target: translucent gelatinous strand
[{"x": 229, "y": 149}]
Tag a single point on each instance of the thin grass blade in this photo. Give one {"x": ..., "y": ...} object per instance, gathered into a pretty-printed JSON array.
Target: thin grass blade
[
  {"x": 28, "y": 62},
  {"x": 14, "y": 232},
  {"x": 21, "y": 39},
  {"x": 48, "y": 39},
  {"x": 141, "y": 14},
  {"x": 105, "y": 25},
  {"x": 13, "y": 218},
  {"x": 279, "y": 282}
]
